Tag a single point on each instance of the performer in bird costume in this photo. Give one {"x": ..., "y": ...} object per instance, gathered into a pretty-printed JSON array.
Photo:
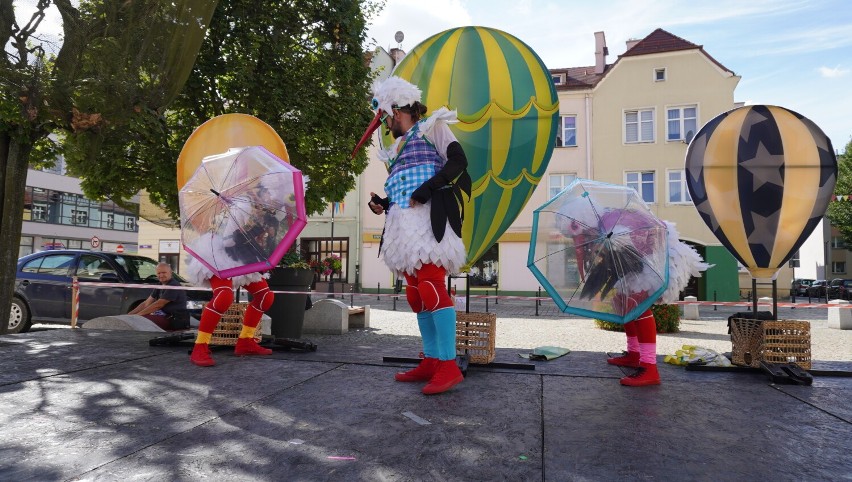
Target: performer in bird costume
[
  {"x": 427, "y": 174},
  {"x": 622, "y": 270}
]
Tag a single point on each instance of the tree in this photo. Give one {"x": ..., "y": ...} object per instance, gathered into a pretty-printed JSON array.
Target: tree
[
  {"x": 299, "y": 66},
  {"x": 118, "y": 66},
  {"x": 840, "y": 212}
]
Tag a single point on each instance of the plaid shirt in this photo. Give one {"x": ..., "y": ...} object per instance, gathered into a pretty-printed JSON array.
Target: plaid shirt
[{"x": 416, "y": 164}]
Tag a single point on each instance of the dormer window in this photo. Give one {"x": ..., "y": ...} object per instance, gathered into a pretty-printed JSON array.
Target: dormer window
[
  {"x": 660, "y": 75},
  {"x": 558, "y": 79}
]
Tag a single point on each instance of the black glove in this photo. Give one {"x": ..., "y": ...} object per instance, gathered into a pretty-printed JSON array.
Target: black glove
[
  {"x": 456, "y": 164},
  {"x": 383, "y": 202}
]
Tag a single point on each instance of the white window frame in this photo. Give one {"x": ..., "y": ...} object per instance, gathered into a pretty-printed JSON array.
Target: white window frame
[
  {"x": 837, "y": 242},
  {"x": 682, "y": 122},
  {"x": 38, "y": 212},
  {"x": 639, "y": 122},
  {"x": 657, "y": 72},
  {"x": 80, "y": 216},
  {"x": 556, "y": 182},
  {"x": 838, "y": 267},
  {"x": 563, "y": 130},
  {"x": 110, "y": 221},
  {"x": 639, "y": 182},
  {"x": 685, "y": 197},
  {"x": 558, "y": 79},
  {"x": 129, "y": 223}
]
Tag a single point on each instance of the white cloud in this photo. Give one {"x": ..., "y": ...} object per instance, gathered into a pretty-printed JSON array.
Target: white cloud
[{"x": 834, "y": 73}]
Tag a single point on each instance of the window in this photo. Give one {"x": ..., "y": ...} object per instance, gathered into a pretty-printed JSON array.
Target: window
[
  {"x": 794, "y": 261},
  {"x": 130, "y": 223},
  {"x": 838, "y": 267},
  {"x": 93, "y": 267},
  {"x": 39, "y": 212},
  {"x": 569, "y": 131},
  {"x": 56, "y": 265},
  {"x": 678, "y": 192},
  {"x": 659, "y": 75},
  {"x": 837, "y": 242},
  {"x": 558, "y": 79},
  {"x": 78, "y": 216},
  {"x": 318, "y": 249},
  {"x": 110, "y": 221},
  {"x": 680, "y": 121},
  {"x": 642, "y": 182},
  {"x": 558, "y": 182},
  {"x": 639, "y": 126}
]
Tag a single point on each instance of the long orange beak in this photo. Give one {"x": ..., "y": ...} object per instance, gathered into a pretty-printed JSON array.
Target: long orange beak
[{"x": 374, "y": 124}]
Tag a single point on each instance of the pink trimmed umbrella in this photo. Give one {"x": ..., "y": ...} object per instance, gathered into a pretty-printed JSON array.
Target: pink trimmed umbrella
[{"x": 241, "y": 211}]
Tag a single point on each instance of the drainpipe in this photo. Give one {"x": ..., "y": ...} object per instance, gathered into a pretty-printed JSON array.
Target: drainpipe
[{"x": 587, "y": 116}]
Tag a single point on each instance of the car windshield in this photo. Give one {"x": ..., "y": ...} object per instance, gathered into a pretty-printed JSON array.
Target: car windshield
[{"x": 141, "y": 269}]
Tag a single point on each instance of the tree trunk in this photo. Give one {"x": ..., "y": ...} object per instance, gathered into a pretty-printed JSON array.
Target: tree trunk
[{"x": 14, "y": 155}]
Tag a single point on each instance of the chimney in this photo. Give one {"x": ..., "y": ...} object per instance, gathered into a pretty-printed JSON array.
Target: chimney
[
  {"x": 632, "y": 42},
  {"x": 600, "y": 52}
]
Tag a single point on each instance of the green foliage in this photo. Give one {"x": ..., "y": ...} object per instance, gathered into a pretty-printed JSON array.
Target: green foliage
[
  {"x": 666, "y": 316},
  {"x": 293, "y": 259},
  {"x": 840, "y": 212}
]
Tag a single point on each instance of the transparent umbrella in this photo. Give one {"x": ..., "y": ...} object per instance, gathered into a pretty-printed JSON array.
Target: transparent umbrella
[
  {"x": 241, "y": 210},
  {"x": 599, "y": 252}
]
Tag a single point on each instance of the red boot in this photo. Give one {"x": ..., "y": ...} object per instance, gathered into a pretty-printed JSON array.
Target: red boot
[
  {"x": 421, "y": 373},
  {"x": 631, "y": 359},
  {"x": 201, "y": 355},
  {"x": 248, "y": 346},
  {"x": 446, "y": 377},
  {"x": 646, "y": 375}
]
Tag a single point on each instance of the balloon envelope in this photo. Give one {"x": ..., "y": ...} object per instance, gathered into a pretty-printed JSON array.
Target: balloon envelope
[
  {"x": 761, "y": 178},
  {"x": 508, "y": 117}
]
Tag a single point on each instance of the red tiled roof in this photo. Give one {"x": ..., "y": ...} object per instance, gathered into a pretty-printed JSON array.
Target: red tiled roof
[
  {"x": 659, "y": 41},
  {"x": 578, "y": 78}
]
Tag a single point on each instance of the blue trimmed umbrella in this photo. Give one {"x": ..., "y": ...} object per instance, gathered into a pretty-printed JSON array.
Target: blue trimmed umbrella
[{"x": 599, "y": 252}]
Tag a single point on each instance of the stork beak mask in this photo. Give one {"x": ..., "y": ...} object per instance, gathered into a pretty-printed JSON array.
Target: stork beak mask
[{"x": 390, "y": 94}]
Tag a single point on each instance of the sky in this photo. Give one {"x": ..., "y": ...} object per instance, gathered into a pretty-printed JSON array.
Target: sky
[{"x": 795, "y": 54}]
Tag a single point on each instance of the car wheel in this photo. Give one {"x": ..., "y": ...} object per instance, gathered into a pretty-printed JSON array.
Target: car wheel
[{"x": 19, "y": 317}]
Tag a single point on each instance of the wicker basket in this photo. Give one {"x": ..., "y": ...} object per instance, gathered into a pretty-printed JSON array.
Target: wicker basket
[
  {"x": 475, "y": 336},
  {"x": 782, "y": 341},
  {"x": 787, "y": 341},
  {"x": 230, "y": 326},
  {"x": 746, "y": 336}
]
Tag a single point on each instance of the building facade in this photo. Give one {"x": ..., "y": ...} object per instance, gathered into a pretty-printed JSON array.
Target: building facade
[{"x": 58, "y": 216}]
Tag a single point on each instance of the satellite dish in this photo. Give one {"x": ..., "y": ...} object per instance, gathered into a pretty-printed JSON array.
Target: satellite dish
[
  {"x": 688, "y": 138},
  {"x": 398, "y": 36}
]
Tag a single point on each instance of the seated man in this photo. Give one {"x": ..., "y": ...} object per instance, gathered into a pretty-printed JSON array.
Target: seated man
[{"x": 166, "y": 308}]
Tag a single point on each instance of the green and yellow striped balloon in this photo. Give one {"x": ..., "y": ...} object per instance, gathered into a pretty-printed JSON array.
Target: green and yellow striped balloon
[
  {"x": 761, "y": 177},
  {"x": 508, "y": 118}
]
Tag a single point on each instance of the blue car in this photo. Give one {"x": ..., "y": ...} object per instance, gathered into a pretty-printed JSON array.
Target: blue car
[{"x": 43, "y": 286}]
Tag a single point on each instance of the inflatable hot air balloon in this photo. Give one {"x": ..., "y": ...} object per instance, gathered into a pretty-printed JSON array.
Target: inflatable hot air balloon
[
  {"x": 508, "y": 115},
  {"x": 761, "y": 177}
]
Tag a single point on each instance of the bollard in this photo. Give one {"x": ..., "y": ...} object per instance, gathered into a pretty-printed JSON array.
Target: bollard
[
  {"x": 690, "y": 312},
  {"x": 537, "y": 301},
  {"x": 351, "y": 298},
  {"x": 496, "y": 296},
  {"x": 714, "y": 301},
  {"x": 394, "y": 303},
  {"x": 378, "y": 291},
  {"x": 486, "y": 304}
]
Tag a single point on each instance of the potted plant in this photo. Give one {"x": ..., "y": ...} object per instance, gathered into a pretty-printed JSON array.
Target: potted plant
[
  {"x": 293, "y": 273},
  {"x": 327, "y": 266}
]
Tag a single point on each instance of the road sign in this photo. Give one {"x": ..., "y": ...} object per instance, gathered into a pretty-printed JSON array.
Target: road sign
[
  {"x": 96, "y": 243},
  {"x": 119, "y": 249}
]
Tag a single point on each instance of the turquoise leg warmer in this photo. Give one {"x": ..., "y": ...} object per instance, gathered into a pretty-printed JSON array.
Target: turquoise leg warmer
[
  {"x": 445, "y": 326},
  {"x": 427, "y": 332}
]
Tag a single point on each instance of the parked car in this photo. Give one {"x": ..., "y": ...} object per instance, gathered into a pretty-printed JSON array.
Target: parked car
[
  {"x": 800, "y": 286},
  {"x": 43, "y": 286},
  {"x": 839, "y": 289},
  {"x": 817, "y": 288}
]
